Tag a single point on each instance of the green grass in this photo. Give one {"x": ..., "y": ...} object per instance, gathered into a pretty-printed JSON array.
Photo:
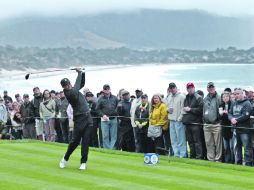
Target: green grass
[{"x": 34, "y": 165}]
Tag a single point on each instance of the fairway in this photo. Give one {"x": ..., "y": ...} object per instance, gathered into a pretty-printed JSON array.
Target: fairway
[{"x": 34, "y": 165}]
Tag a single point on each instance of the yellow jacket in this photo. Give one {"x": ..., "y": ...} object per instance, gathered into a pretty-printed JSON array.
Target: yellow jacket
[{"x": 159, "y": 116}]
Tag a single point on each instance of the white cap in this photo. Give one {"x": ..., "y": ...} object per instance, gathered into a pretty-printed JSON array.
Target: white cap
[{"x": 250, "y": 89}]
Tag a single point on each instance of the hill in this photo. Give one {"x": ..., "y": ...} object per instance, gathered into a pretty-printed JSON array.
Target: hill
[
  {"x": 34, "y": 165},
  {"x": 143, "y": 29}
]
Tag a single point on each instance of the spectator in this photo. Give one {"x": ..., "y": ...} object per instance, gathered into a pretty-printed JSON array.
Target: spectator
[
  {"x": 106, "y": 107},
  {"x": 239, "y": 115},
  {"x": 135, "y": 103},
  {"x": 126, "y": 137},
  {"x": 142, "y": 123},
  {"x": 3, "y": 118},
  {"x": 18, "y": 99},
  {"x": 6, "y": 97},
  {"x": 212, "y": 128},
  {"x": 28, "y": 120},
  {"x": 61, "y": 105},
  {"x": 193, "y": 107},
  {"x": 158, "y": 121},
  {"x": 38, "y": 98},
  {"x": 96, "y": 120},
  {"x": 175, "y": 104},
  {"x": 226, "y": 132},
  {"x": 47, "y": 113}
]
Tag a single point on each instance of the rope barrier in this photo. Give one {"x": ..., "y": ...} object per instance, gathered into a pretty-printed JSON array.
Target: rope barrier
[{"x": 201, "y": 124}]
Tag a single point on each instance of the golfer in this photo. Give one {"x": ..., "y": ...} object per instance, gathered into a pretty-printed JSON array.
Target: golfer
[{"x": 83, "y": 123}]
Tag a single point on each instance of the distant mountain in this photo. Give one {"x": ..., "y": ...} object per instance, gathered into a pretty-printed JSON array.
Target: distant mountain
[{"x": 142, "y": 29}]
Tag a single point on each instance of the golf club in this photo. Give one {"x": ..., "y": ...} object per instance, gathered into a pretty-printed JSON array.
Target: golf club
[{"x": 55, "y": 70}]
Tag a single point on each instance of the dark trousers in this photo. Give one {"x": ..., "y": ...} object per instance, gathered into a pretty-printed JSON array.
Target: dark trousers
[
  {"x": 126, "y": 137},
  {"x": 94, "y": 135},
  {"x": 194, "y": 138},
  {"x": 64, "y": 123},
  {"x": 243, "y": 139},
  {"x": 59, "y": 135},
  {"x": 167, "y": 142},
  {"x": 83, "y": 126}
]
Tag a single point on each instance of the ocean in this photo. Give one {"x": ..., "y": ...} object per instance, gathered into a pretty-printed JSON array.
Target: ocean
[{"x": 151, "y": 78}]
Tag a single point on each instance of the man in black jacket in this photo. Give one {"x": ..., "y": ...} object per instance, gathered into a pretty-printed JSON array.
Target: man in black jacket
[
  {"x": 193, "y": 107},
  {"x": 28, "y": 120},
  {"x": 83, "y": 123},
  {"x": 106, "y": 108},
  {"x": 126, "y": 137},
  {"x": 35, "y": 107}
]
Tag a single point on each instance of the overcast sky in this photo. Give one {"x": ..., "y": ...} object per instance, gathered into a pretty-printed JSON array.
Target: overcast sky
[{"x": 14, "y": 8}]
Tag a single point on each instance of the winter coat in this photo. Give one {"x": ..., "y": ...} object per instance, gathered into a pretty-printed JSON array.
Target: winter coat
[
  {"x": 195, "y": 102},
  {"x": 27, "y": 113},
  {"x": 36, "y": 105},
  {"x": 159, "y": 116},
  {"x": 142, "y": 117},
  {"x": 107, "y": 105}
]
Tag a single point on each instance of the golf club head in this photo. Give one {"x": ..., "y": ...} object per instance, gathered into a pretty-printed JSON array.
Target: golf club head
[{"x": 27, "y": 76}]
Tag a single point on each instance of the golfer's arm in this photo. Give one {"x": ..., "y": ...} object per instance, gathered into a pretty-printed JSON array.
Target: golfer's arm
[{"x": 79, "y": 81}]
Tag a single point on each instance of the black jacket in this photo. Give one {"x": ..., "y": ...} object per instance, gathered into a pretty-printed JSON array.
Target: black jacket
[
  {"x": 27, "y": 113},
  {"x": 36, "y": 105},
  {"x": 142, "y": 117},
  {"x": 226, "y": 131},
  {"x": 195, "y": 102},
  {"x": 123, "y": 109},
  {"x": 76, "y": 98},
  {"x": 107, "y": 105}
]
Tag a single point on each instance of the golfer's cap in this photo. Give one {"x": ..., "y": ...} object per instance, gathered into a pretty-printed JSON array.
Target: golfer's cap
[
  {"x": 65, "y": 82},
  {"x": 5, "y": 91}
]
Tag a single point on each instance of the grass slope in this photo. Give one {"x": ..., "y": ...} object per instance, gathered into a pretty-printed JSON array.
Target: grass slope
[{"x": 34, "y": 165}]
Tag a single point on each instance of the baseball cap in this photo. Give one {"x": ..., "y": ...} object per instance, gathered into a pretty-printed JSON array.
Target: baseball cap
[
  {"x": 172, "y": 85},
  {"x": 5, "y": 91},
  {"x": 25, "y": 96},
  {"x": 210, "y": 84},
  {"x": 106, "y": 87},
  {"x": 65, "y": 82},
  {"x": 190, "y": 84},
  {"x": 144, "y": 96},
  {"x": 249, "y": 89},
  {"x": 125, "y": 92}
]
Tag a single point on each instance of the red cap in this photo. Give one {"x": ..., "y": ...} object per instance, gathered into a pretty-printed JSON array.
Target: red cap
[{"x": 190, "y": 84}]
